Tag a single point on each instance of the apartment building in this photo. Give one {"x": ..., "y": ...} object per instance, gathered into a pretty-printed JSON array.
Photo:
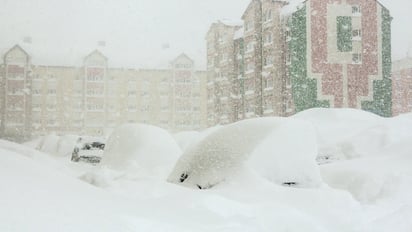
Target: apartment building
[
  {"x": 341, "y": 56},
  {"x": 94, "y": 98},
  {"x": 288, "y": 59},
  {"x": 259, "y": 85},
  {"x": 402, "y": 86},
  {"x": 220, "y": 72}
]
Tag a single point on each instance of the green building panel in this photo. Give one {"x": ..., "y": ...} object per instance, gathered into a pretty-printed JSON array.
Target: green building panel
[
  {"x": 344, "y": 37},
  {"x": 304, "y": 88},
  {"x": 382, "y": 89}
]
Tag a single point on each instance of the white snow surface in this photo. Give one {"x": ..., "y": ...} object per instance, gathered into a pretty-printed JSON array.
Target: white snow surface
[{"x": 368, "y": 190}]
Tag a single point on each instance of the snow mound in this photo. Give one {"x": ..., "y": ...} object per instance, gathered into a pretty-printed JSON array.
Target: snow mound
[
  {"x": 225, "y": 152},
  {"x": 288, "y": 155},
  {"x": 34, "y": 196},
  {"x": 48, "y": 144},
  {"x": 346, "y": 133},
  {"x": 185, "y": 138},
  {"x": 141, "y": 148}
]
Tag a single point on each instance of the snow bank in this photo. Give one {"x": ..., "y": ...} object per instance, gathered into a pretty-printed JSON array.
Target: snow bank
[
  {"x": 288, "y": 155},
  {"x": 225, "y": 151},
  {"x": 345, "y": 133},
  {"x": 49, "y": 143},
  {"x": 141, "y": 148},
  {"x": 34, "y": 196}
]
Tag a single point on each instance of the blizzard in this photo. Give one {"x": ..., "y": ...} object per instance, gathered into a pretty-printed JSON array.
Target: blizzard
[{"x": 319, "y": 170}]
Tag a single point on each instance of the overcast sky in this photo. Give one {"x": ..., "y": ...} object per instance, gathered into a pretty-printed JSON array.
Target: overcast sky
[{"x": 138, "y": 33}]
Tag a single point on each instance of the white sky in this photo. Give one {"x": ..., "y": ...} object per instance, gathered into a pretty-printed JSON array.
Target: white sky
[{"x": 64, "y": 31}]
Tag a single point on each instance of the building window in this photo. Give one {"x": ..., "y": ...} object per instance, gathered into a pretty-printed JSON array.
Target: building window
[
  {"x": 248, "y": 26},
  {"x": 268, "y": 83},
  {"x": 357, "y": 58},
  {"x": 132, "y": 108},
  {"x": 268, "y": 38},
  {"x": 267, "y": 16},
  {"x": 94, "y": 107},
  {"x": 356, "y": 9},
  {"x": 287, "y": 35},
  {"x": 249, "y": 47},
  {"x": 356, "y": 33},
  {"x": 288, "y": 58},
  {"x": 268, "y": 60},
  {"x": 250, "y": 67},
  {"x": 131, "y": 93},
  {"x": 51, "y": 91},
  {"x": 344, "y": 33}
]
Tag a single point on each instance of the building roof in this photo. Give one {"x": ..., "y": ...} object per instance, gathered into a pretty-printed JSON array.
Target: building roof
[
  {"x": 16, "y": 47},
  {"x": 97, "y": 52},
  {"x": 294, "y": 5},
  {"x": 182, "y": 56},
  {"x": 231, "y": 22}
]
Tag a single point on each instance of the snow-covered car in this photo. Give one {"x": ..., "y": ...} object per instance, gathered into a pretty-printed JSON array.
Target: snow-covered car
[{"x": 88, "y": 152}]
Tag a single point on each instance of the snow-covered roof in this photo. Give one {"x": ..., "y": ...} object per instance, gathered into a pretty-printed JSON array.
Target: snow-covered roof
[
  {"x": 231, "y": 22},
  {"x": 292, "y": 6}
]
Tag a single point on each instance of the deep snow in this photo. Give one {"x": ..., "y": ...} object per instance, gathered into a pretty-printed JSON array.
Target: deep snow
[{"x": 363, "y": 185}]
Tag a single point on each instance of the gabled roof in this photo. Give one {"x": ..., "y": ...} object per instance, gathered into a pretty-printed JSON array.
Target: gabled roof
[
  {"x": 97, "y": 52},
  {"x": 182, "y": 56},
  {"x": 16, "y": 47}
]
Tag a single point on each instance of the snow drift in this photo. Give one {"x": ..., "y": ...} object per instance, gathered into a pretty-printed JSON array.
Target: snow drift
[{"x": 287, "y": 154}]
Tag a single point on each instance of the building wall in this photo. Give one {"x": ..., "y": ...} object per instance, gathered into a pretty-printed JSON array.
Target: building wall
[
  {"x": 253, "y": 59},
  {"x": 274, "y": 86},
  {"x": 94, "y": 99},
  {"x": 402, "y": 86},
  {"x": 220, "y": 73},
  {"x": 331, "y": 65}
]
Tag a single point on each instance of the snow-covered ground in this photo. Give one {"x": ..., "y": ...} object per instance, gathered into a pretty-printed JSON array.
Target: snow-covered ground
[{"x": 260, "y": 175}]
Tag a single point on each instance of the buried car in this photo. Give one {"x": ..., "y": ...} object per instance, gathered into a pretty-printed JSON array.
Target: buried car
[
  {"x": 88, "y": 152},
  {"x": 280, "y": 150}
]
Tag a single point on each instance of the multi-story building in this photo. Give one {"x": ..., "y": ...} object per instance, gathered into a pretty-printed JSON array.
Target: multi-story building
[
  {"x": 288, "y": 58},
  {"x": 402, "y": 86},
  {"x": 258, "y": 83},
  {"x": 220, "y": 72},
  {"x": 340, "y": 56},
  {"x": 94, "y": 98},
  {"x": 266, "y": 90}
]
